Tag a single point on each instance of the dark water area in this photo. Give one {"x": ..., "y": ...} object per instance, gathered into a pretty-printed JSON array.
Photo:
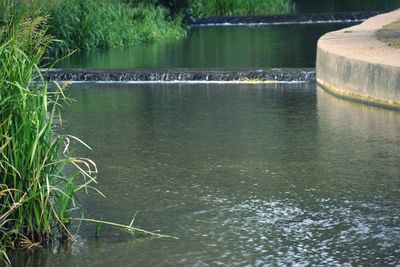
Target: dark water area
[
  {"x": 321, "y": 6},
  {"x": 238, "y": 47},
  {"x": 245, "y": 175}
]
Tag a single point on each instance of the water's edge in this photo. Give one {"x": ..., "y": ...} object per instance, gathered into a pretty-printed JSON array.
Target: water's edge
[
  {"x": 344, "y": 73},
  {"x": 265, "y": 75},
  {"x": 285, "y": 19}
]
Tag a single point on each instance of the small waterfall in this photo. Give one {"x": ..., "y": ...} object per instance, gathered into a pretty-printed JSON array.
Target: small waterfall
[
  {"x": 285, "y": 19},
  {"x": 270, "y": 75}
]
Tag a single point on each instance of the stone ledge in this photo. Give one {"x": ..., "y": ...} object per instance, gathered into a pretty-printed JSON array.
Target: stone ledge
[
  {"x": 276, "y": 75},
  {"x": 352, "y": 63},
  {"x": 285, "y": 19}
]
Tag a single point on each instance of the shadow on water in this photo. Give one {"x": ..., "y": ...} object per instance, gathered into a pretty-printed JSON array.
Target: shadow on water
[{"x": 244, "y": 174}]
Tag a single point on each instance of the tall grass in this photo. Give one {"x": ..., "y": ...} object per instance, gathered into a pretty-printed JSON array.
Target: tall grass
[
  {"x": 87, "y": 24},
  {"x": 36, "y": 195},
  {"x": 39, "y": 176},
  {"x": 204, "y": 8}
]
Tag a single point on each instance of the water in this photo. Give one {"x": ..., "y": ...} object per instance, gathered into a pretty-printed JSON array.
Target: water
[
  {"x": 245, "y": 175},
  {"x": 320, "y": 6},
  {"x": 238, "y": 47}
]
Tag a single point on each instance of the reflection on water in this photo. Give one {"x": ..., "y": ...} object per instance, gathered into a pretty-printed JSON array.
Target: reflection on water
[
  {"x": 246, "y": 175},
  {"x": 216, "y": 47}
]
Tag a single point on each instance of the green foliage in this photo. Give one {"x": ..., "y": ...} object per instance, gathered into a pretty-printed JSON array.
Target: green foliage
[
  {"x": 175, "y": 6},
  {"x": 39, "y": 176},
  {"x": 87, "y": 24},
  {"x": 36, "y": 194},
  {"x": 204, "y": 8}
]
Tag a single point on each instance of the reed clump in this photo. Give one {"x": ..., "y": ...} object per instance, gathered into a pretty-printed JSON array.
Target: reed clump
[
  {"x": 88, "y": 24},
  {"x": 39, "y": 175},
  {"x": 205, "y": 8},
  {"x": 37, "y": 192}
]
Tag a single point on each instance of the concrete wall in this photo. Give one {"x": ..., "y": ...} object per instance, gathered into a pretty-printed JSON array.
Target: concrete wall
[{"x": 353, "y": 64}]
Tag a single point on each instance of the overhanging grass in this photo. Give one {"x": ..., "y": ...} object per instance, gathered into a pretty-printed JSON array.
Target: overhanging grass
[
  {"x": 36, "y": 195},
  {"x": 205, "y": 8},
  {"x": 39, "y": 176}
]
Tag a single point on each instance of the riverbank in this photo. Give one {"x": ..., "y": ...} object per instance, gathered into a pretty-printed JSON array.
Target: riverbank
[
  {"x": 353, "y": 64},
  {"x": 82, "y": 25},
  {"x": 40, "y": 176},
  {"x": 89, "y": 24}
]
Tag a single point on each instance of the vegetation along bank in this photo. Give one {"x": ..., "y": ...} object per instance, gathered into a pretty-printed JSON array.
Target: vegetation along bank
[
  {"x": 88, "y": 24},
  {"x": 40, "y": 177},
  {"x": 36, "y": 193}
]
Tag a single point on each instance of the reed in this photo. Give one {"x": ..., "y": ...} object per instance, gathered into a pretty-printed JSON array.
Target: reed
[
  {"x": 204, "y": 8},
  {"x": 88, "y": 24},
  {"x": 36, "y": 195},
  {"x": 39, "y": 175}
]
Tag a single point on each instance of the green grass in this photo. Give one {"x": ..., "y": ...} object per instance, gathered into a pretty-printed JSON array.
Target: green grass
[
  {"x": 204, "y": 8},
  {"x": 88, "y": 24},
  {"x": 39, "y": 175},
  {"x": 36, "y": 195}
]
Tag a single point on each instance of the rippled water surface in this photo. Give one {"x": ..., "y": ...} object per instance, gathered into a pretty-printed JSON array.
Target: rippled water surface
[
  {"x": 245, "y": 175},
  {"x": 231, "y": 47}
]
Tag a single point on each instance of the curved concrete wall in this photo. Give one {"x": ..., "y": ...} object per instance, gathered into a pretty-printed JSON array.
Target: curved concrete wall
[{"x": 353, "y": 64}]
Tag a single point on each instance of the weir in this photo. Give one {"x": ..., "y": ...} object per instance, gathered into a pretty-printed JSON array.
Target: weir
[
  {"x": 272, "y": 75},
  {"x": 285, "y": 19},
  {"x": 275, "y": 172}
]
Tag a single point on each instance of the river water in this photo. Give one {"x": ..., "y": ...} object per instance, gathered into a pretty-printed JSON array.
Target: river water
[
  {"x": 321, "y": 6},
  {"x": 238, "y": 47},
  {"x": 244, "y": 175}
]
